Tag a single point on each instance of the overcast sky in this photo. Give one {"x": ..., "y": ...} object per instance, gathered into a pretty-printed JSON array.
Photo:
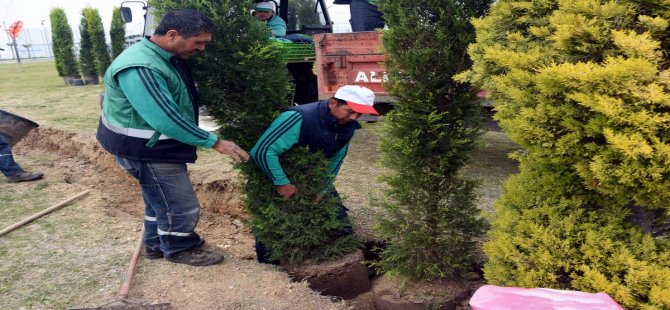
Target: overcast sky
[{"x": 35, "y": 17}]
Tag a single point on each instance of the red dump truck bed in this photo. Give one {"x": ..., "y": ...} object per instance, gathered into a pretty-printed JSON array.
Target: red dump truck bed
[{"x": 353, "y": 58}]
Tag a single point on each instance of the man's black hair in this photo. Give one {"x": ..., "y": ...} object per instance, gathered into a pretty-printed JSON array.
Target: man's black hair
[
  {"x": 187, "y": 22},
  {"x": 339, "y": 102}
]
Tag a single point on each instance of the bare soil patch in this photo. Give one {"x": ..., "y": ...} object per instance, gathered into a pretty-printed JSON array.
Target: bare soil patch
[
  {"x": 346, "y": 277},
  {"x": 395, "y": 294}
]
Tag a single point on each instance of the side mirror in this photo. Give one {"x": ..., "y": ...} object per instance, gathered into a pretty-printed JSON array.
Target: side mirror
[{"x": 126, "y": 14}]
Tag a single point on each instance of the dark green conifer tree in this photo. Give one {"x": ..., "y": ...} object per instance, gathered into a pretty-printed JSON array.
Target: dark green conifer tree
[
  {"x": 97, "y": 33},
  {"x": 86, "y": 59},
  {"x": 117, "y": 33},
  {"x": 62, "y": 44},
  {"x": 432, "y": 222},
  {"x": 302, "y": 13},
  {"x": 243, "y": 81},
  {"x": 583, "y": 87}
]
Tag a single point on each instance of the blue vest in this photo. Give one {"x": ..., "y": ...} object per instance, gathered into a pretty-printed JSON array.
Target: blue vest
[{"x": 320, "y": 131}]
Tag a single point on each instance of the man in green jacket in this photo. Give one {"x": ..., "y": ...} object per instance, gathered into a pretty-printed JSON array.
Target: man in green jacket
[{"x": 149, "y": 122}]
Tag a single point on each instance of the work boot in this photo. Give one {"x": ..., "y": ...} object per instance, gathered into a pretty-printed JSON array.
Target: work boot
[
  {"x": 24, "y": 176},
  {"x": 196, "y": 257},
  {"x": 153, "y": 254},
  {"x": 157, "y": 253}
]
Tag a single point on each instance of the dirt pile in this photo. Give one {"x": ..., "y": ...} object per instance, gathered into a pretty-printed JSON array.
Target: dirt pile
[{"x": 346, "y": 277}]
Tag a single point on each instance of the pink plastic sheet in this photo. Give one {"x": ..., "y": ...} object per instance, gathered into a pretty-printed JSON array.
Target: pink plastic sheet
[{"x": 490, "y": 297}]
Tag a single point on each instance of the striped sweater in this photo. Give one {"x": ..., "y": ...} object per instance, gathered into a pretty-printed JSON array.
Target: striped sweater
[{"x": 308, "y": 125}]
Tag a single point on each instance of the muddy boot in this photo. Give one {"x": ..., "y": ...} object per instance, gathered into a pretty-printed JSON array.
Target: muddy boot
[
  {"x": 157, "y": 253},
  {"x": 196, "y": 257},
  {"x": 153, "y": 254},
  {"x": 24, "y": 176}
]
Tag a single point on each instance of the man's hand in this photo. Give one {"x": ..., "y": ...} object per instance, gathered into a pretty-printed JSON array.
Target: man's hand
[
  {"x": 231, "y": 149},
  {"x": 286, "y": 190}
]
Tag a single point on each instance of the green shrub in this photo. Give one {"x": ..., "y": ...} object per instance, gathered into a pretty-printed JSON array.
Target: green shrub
[
  {"x": 97, "y": 33},
  {"x": 299, "y": 228},
  {"x": 86, "y": 59},
  {"x": 62, "y": 43},
  {"x": 432, "y": 222},
  {"x": 303, "y": 14},
  {"x": 243, "y": 81},
  {"x": 583, "y": 86},
  {"x": 117, "y": 33}
]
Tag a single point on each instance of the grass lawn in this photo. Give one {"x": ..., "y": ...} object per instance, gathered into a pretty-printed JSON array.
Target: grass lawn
[
  {"x": 34, "y": 90},
  {"x": 42, "y": 265},
  {"x": 68, "y": 257}
]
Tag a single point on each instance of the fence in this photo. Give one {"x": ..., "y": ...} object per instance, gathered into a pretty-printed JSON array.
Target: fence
[
  {"x": 31, "y": 43},
  {"x": 36, "y": 43}
]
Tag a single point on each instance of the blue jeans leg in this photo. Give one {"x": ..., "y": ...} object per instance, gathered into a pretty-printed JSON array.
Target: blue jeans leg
[
  {"x": 7, "y": 164},
  {"x": 342, "y": 215},
  {"x": 151, "y": 240},
  {"x": 171, "y": 208},
  {"x": 262, "y": 253},
  {"x": 365, "y": 16}
]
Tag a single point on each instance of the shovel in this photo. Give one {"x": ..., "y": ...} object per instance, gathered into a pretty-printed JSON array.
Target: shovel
[{"x": 123, "y": 303}]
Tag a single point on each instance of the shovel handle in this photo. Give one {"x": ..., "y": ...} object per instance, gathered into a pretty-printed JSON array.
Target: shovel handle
[
  {"x": 44, "y": 212},
  {"x": 123, "y": 293}
]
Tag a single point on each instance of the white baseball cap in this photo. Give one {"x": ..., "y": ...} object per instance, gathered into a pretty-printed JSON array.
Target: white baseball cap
[
  {"x": 358, "y": 98},
  {"x": 265, "y": 6}
]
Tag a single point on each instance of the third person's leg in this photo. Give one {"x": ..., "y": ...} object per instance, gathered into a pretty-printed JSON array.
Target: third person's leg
[{"x": 365, "y": 16}]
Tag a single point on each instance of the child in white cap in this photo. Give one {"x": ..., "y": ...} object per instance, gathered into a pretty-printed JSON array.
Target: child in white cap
[{"x": 265, "y": 11}]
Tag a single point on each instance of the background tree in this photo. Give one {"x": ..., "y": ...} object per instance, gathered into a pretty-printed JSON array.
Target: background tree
[
  {"x": 243, "y": 81},
  {"x": 117, "y": 33},
  {"x": 62, "y": 44},
  {"x": 302, "y": 13},
  {"x": 583, "y": 87},
  {"x": 86, "y": 60},
  {"x": 97, "y": 33},
  {"x": 432, "y": 220}
]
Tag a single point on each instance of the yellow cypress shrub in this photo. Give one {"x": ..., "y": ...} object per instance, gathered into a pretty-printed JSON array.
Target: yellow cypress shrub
[{"x": 583, "y": 86}]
